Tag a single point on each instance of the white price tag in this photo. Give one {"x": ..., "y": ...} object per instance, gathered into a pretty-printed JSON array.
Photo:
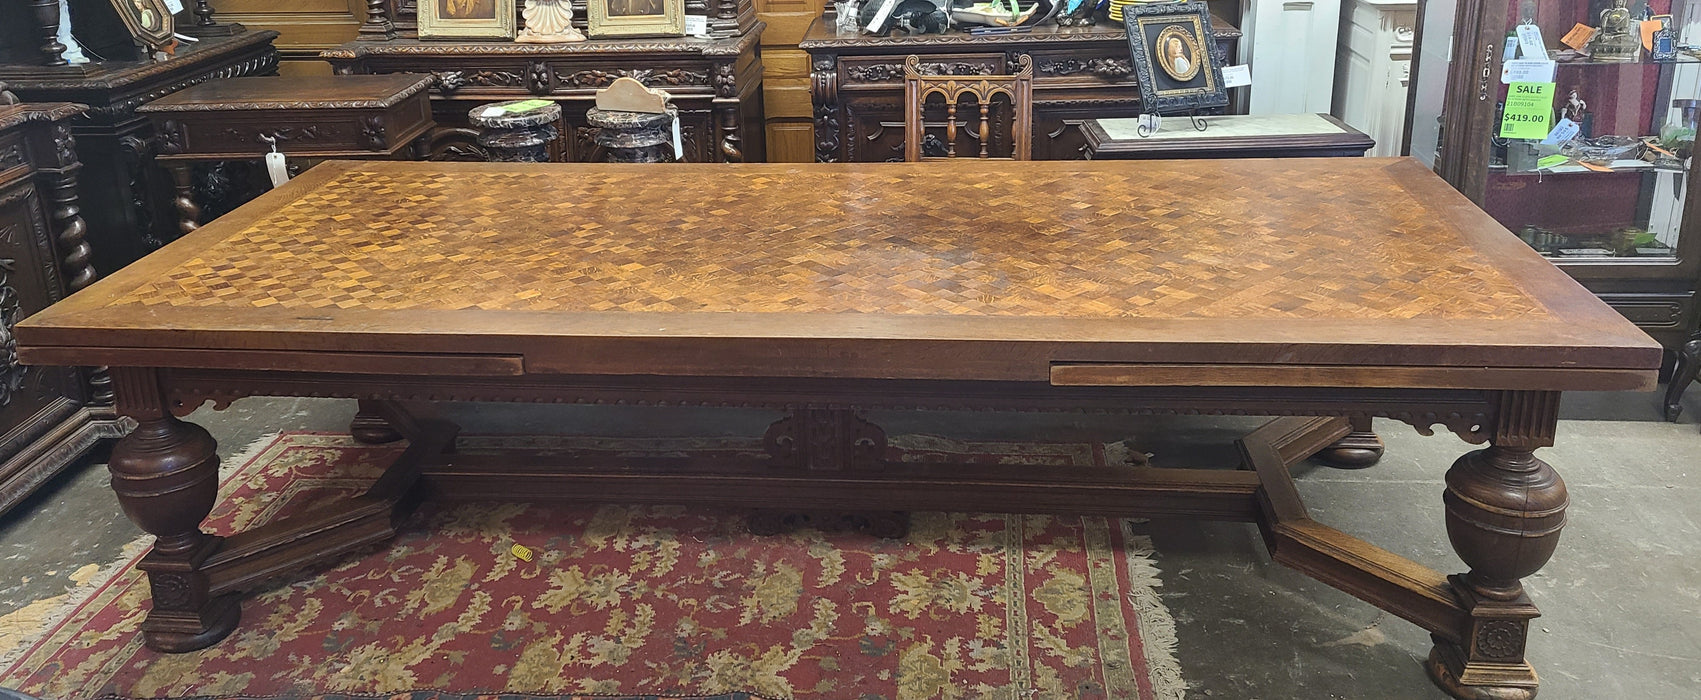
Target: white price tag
[
  {"x": 277, "y": 169},
  {"x": 696, "y": 25},
  {"x": 491, "y": 112},
  {"x": 1530, "y": 42},
  {"x": 678, "y": 141},
  {"x": 1564, "y": 131},
  {"x": 1236, "y": 76},
  {"x": 175, "y": 6},
  {"x": 1524, "y": 70}
]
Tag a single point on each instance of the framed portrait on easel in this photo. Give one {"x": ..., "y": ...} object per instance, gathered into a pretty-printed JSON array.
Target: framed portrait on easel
[
  {"x": 1171, "y": 47},
  {"x": 466, "y": 19}
]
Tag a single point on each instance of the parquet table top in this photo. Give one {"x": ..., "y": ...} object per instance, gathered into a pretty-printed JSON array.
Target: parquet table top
[
  {"x": 1123, "y": 243},
  {"x": 1359, "y": 250}
]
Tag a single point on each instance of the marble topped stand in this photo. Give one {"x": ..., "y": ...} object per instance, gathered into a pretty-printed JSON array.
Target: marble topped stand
[{"x": 1227, "y": 136}]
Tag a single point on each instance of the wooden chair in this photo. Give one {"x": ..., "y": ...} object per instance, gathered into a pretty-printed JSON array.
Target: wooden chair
[{"x": 1018, "y": 88}]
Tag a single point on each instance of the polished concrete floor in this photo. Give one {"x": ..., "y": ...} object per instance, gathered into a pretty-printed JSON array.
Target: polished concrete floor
[{"x": 1621, "y": 599}]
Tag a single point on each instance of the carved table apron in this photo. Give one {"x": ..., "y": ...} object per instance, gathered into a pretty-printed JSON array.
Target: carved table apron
[{"x": 1327, "y": 291}]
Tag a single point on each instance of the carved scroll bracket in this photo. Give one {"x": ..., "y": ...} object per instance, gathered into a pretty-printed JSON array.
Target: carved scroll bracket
[{"x": 825, "y": 440}]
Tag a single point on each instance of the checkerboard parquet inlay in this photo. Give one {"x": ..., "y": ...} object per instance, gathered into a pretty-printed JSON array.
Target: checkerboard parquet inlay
[{"x": 1130, "y": 243}]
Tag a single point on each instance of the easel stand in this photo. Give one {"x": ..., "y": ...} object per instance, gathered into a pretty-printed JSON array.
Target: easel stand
[{"x": 1146, "y": 129}]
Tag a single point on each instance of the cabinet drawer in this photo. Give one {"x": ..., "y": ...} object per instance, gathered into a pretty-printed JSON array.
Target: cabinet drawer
[
  {"x": 1066, "y": 67},
  {"x": 888, "y": 71},
  {"x": 1652, "y": 310}
]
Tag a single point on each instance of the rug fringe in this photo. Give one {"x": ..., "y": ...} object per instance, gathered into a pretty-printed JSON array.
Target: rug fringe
[
  {"x": 75, "y": 596},
  {"x": 1157, "y": 626}
]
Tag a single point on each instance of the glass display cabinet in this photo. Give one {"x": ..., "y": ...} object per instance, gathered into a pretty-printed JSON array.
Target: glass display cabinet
[{"x": 1588, "y": 158}]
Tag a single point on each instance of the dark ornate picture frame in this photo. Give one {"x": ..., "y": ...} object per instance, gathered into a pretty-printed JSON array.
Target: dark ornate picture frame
[
  {"x": 149, "y": 21},
  {"x": 1160, "y": 91}
]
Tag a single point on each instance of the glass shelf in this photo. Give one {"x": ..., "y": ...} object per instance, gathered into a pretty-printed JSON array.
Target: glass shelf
[{"x": 1637, "y": 116}]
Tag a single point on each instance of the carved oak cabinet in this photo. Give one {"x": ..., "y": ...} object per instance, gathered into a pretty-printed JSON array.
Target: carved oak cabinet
[
  {"x": 716, "y": 82},
  {"x": 129, "y": 202},
  {"x": 49, "y": 416},
  {"x": 1079, "y": 73}
]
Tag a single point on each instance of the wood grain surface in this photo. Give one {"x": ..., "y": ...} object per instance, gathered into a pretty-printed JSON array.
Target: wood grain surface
[{"x": 934, "y": 270}]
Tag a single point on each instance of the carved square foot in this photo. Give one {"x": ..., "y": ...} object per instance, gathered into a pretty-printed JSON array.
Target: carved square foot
[
  {"x": 1479, "y": 680},
  {"x": 885, "y": 524},
  {"x": 177, "y": 631},
  {"x": 184, "y": 617}
]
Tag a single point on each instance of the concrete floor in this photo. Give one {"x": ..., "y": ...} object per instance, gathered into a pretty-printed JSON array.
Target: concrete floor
[{"x": 1621, "y": 599}]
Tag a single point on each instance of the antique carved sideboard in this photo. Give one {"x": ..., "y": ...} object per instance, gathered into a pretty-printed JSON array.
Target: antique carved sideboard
[
  {"x": 716, "y": 81},
  {"x": 49, "y": 416},
  {"x": 1079, "y": 73},
  {"x": 128, "y": 202}
]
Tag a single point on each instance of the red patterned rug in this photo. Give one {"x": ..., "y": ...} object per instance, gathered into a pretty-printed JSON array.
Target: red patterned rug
[{"x": 645, "y": 601}]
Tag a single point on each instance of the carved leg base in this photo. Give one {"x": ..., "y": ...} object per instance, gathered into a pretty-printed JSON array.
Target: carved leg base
[
  {"x": 1481, "y": 681},
  {"x": 177, "y": 631},
  {"x": 1355, "y": 451},
  {"x": 884, "y": 524},
  {"x": 370, "y": 427}
]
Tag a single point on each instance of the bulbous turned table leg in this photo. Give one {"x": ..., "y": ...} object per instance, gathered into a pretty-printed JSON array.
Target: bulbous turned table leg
[
  {"x": 166, "y": 475},
  {"x": 369, "y": 425},
  {"x": 1505, "y": 510},
  {"x": 1359, "y": 449}
]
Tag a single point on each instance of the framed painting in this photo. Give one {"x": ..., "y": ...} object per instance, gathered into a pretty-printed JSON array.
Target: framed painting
[
  {"x": 614, "y": 18},
  {"x": 1171, "y": 46},
  {"x": 466, "y": 19}
]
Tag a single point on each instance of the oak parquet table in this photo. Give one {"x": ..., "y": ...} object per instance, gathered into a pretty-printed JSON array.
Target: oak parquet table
[{"x": 1325, "y": 291}]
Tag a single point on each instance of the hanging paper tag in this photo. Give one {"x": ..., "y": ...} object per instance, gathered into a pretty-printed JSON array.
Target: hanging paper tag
[
  {"x": 1236, "y": 76},
  {"x": 1527, "y": 70},
  {"x": 1529, "y": 109},
  {"x": 678, "y": 141},
  {"x": 175, "y": 6},
  {"x": 277, "y": 168},
  {"x": 696, "y": 25},
  {"x": 1564, "y": 131},
  {"x": 1530, "y": 42}
]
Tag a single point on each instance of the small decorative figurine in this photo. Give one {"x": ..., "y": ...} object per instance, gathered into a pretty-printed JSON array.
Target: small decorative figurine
[
  {"x": 548, "y": 22},
  {"x": 1614, "y": 42}
]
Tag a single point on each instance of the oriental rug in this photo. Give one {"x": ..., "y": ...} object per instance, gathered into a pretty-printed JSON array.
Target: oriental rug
[{"x": 619, "y": 601}]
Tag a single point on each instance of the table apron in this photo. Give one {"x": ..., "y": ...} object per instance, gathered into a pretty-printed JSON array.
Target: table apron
[{"x": 1470, "y": 413}]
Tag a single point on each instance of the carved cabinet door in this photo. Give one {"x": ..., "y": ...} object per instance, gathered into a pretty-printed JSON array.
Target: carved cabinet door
[{"x": 29, "y": 281}]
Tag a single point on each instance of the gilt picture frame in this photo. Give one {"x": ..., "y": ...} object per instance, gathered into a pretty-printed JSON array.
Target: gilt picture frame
[
  {"x": 1171, "y": 46},
  {"x": 634, "y": 18},
  {"x": 467, "y": 19}
]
